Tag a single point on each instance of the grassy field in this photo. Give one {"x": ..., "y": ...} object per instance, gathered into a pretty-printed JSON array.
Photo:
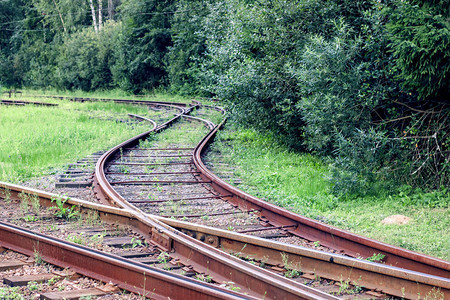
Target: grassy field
[
  {"x": 298, "y": 182},
  {"x": 35, "y": 140}
]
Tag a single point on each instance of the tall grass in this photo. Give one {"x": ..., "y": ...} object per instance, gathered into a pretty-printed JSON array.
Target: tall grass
[{"x": 34, "y": 140}]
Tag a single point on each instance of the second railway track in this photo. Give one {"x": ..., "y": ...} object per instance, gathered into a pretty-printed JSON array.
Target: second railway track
[{"x": 156, "y": 178}]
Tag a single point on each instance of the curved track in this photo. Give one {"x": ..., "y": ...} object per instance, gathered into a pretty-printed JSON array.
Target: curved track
[
  {"x": 277, "y": 218},
  {"x": 198, "y": 247}
]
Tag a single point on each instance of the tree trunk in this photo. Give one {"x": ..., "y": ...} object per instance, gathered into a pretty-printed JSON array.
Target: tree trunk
[
  {"x": 100, "y": 14},
  {"x": 60, "y": 16},
  {"x": 94, "y": 19},
  {"x": 110, "y": 9}
]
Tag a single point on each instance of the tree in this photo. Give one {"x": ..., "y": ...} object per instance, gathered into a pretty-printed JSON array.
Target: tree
[
  {"x": 145, "y": 45},
  {"x": 420, "y": 42}
]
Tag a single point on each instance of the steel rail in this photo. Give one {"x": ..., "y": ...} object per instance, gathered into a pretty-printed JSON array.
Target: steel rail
[
  {"x": 22, "y": 102},
  {"x": 391, "y": 280},
  {"x": 333, "y": 233},
  {"x": 388, "y": 279},
  {"x": 346, "y": 242},
  {"x": 221, "y": 266},
  {"x": 130, "y": 275},
  {"x": 127, "y": 101},
  {"x": 245, "y": 241},
  {"x": 210, "y": 124},
  {"x": 143, "y": 119},
  {"x": 388, "y": 285}
]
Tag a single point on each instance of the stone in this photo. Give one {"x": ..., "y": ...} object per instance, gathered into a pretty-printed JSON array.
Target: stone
[{"x": 396, "y": 219}]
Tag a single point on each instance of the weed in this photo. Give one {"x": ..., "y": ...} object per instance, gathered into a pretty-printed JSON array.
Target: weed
[
  {"x": 263, "y": 261},
  {"x": 53, "y": 280},
  {"x": 124, "y": 169},
  {"x": 291, "y": 271},
  {"x": 77, "y": 238},
  {"x": 92, "y": 218},
  {"x": 203, "y": 277},
  {"x": 35, "y": 203},
  {"x": 376, "y": 257},
  {"x": 316, "y": 244},
  {"x": 97, "y": 238},
  {"x": 346, "y": 288},
  {"x": 435, "y": 294},
  {"x": 7, "y": 195},
  {"x": 30, "y": 218},
  {"x": 163, "y": 257},
  {"x": 63, "y": 212},
  {"x": 230, "y": 228},
  {"x": 343, "y": 287},
  {"x": 135, "y": 242},
  {"x": 205, "y": 218},
  {"x": 10, "y": 293},
  {"x": 33, "y": 286},
  {"x": 231, "y": 285},
  {"x": 23, "y": 202},
  {"x": 52, "y": 227},
  {"x": 38, "y": 258}
]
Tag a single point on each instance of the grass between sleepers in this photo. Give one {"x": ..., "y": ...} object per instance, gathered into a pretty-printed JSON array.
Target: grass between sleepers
[{"x": 299, "y": 183}]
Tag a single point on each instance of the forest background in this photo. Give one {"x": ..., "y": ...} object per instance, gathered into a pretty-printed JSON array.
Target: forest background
[{"x": 363, "y": 84}]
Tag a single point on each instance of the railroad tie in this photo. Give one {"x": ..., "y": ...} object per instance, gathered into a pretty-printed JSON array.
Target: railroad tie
[
  {"x": 25, "y": 279},
  {"x": 74, "y": 294}
]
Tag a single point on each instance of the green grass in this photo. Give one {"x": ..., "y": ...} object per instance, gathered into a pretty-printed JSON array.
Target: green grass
[
  {"x": 183, "y": 133},
  {"x": 10, "y": 293},
  {"x": 35, "y": 140},
  {"x": 299, "y": 183}
]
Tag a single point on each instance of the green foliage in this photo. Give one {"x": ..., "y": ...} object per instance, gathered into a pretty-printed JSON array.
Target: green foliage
[
  {"x": 420, "y": 42},
  {"x": 363, "y": 82},
  {"x": 11, "y": 293},
  {"x": 376, "y": 257},
  {"x": 297, "y": 182},
  {"x": 145, "y": 44},
  {"x": 73, "y": 14},
  {"x": 61, "y": 211},
  {"x": 189, "y": 46},
  {"x": 86, "y": 58}
]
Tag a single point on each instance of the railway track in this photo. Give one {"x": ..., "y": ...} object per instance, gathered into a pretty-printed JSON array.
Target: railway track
[
  {"x": 29, "y": 277},
  {"x": 176, "y": 184}
]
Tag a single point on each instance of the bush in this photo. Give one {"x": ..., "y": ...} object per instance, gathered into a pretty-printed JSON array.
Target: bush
[{"x": 86, "y": 58}]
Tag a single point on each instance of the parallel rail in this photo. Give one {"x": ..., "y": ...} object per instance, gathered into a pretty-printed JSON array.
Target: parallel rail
[
  {"x": 348, "y": 243},
  {"x": 405, "y": 273},
  {"x": 391, "y": 280},
  {"x": 221, "y": 266},
  {"x": 132, "y": 276},
  {"x": 344, "y": 241}
]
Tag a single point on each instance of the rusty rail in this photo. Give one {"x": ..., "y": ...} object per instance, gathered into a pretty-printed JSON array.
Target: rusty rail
[
  {"x": 437, "y": 271},
  {"x": 344, "y": 241},
  {"x": 391, "y": 280},
  {"x": 221, "y": 266},
  {"x": 132, "y": 276},
  {"x": 348, "y": 243},
  {"x": 126, "y": 101}
]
